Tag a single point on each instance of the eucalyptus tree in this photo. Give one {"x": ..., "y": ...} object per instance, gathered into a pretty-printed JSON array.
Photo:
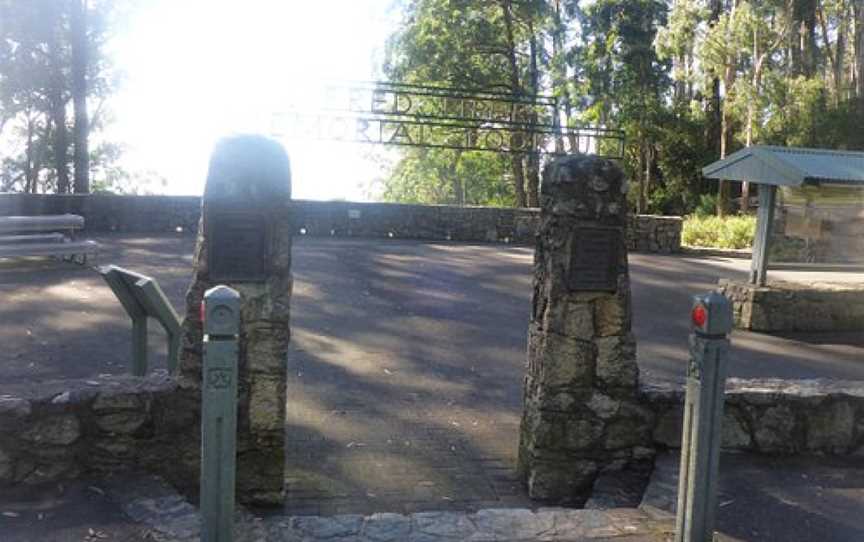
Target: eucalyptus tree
[
  {"x": 51, "y": 59},
  {"x": 689, "y": 81},
  {"x": 447, "y": 176},
  {"x": 482, "y": 45},
  {"x": 678, "y": 40},
  {"x": 621, "y": 80},
  {"x": 28, "y": 77}
]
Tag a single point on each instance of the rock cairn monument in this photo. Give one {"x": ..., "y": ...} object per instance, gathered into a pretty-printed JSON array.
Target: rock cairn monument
[
  {"x": 244, "y": 241},
  {"x": 581, "y": 416}
]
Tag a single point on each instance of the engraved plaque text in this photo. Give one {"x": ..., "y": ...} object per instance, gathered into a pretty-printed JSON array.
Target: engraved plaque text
[
  {"x": 594, "y": 260},
  {"x": 239, "y": 242}
]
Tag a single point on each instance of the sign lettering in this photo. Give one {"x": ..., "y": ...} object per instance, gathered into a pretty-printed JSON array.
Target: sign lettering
[
  {"x": 439, "y": 117},
  {"x": 594, "y": 256},
  {"x": 239, "y": 243}
]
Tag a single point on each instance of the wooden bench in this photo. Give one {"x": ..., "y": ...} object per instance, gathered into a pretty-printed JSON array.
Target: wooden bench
[{"x": 48, "y": 235}]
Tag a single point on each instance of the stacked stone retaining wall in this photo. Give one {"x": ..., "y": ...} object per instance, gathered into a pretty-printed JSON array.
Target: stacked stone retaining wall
[
  {"x": 150, "y": 214},
  {"x": 787, "y": 306},
  {"x": 62, "y": 429},
  {"x": 773, "y": 416}
]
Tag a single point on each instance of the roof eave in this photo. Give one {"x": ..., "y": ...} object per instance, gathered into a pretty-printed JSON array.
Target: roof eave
[{"x": 788, "y": 176}]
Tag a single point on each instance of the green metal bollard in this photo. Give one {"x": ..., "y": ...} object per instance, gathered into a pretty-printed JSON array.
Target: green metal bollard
[
  {"x": 221, "y": 321},
  {"x": 703, "y": 418}
]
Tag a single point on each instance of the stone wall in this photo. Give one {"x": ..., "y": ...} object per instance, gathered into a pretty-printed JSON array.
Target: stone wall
[
  {"x": 654, "y": 233},
  {"x": 581, "y": 416},
  {"x": 103, "y": 213},
  {"x": 435, "y": 222},
  {"x": 62, "y": 429},
  {"x": 145, "y": 214},
  {"x": 772, "y": 416},
  {"x": 786, "y": 306}
]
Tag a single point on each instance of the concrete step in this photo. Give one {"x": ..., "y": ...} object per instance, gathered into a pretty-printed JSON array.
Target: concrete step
[
  {"x": 168, "y": 517},
  {"x": 498, "y": 525}
]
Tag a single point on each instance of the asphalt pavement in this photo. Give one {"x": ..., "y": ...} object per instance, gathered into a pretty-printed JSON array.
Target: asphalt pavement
[
  {"x": 406, "y": 360},
  {"x": 450, "y": 301}
]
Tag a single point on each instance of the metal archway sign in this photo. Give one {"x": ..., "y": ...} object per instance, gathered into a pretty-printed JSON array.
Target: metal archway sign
[{"x": 444, "y": 117}]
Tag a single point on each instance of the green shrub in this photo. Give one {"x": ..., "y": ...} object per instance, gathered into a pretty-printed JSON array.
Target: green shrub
[
  {"x": 711, "y": 231},
  {"x": 707, "y": 205}
]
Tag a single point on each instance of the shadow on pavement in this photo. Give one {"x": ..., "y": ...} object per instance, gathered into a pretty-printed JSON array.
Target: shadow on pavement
[{"x": 774, "y": 499}]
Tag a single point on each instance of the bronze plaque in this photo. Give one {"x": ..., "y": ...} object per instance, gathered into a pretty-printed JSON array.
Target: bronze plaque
[
  {"x": 594, "y": 259},
  {"x": 239, "y": 243}
]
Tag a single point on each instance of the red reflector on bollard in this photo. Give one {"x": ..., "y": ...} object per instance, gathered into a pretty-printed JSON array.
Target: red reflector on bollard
[
  {"x": 700, "y": 316},
  {"x": 201, "y": 313}
]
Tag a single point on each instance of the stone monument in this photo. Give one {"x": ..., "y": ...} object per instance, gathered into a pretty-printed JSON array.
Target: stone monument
[
  {"x": 581, "y": 414},
  {"x": 244, "y": 241}
]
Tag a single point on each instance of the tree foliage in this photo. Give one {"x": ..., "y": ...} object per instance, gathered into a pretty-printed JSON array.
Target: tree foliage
[
  {"x": 54, "y": 80},
  {"x": 484, "y": 45},
  {"x": 688, "y": 81},
  {"x": 450, "y": 176}
]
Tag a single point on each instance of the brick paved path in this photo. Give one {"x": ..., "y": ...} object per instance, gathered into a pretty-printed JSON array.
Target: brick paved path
[
  {"x": 350, "y": 459},
  {"x": 404, "y": 389}
]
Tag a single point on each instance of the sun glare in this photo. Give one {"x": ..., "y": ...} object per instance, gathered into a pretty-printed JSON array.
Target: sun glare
[{"x": 197, "y": 70}]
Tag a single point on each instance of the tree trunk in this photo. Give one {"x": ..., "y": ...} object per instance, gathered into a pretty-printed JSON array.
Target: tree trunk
[
  {"x": 643, "y": 175},
  {"x": 836, "y": 56},
  {"x": 60, "y": 142},
  {"x": 518, "y": 179},
  {"x": 712, "y": 134},
  {"x": 29, "y": 177},
  {"x": 751, "y": 106},
  {"x": 458, "y": 191},
  {"x": 646, "y": 186},
  {"x": 533, "y": 165},
  {"x": 81, "y": 132},
  {"x": 515, "y": 88},
  {"x": 859, "y": 54},
  {"x": 532, "y": 169},
  {"x": 689, "y": 75},
  {"x": 729, "y": 76},
  {"x": 559, "y": 75},
  {"x": 723, "y": 194},
  {"x": 679, "y": 92},
  {"x": 810, "y": 52},
  {"x": 456, "y": 182},
  {"x": 840, "y": 53},
  {"x": 802, "y": 36},
  {"x": 759, "y": 58},
  {"x": 57, "y": 107}
]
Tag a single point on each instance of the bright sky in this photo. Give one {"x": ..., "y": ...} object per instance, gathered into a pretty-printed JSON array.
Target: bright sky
[{"x": 197, "y": 70}]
